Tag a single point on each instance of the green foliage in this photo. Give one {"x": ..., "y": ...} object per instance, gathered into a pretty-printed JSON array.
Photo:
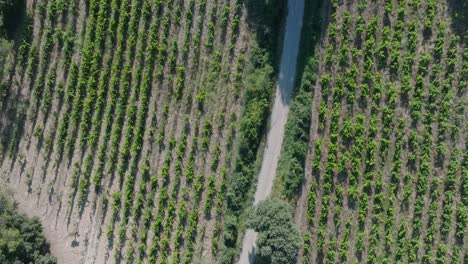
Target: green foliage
[
  {"x": 21, "y": 238},
  {"x": 259, "y": 86},
  {"x": 296, "y": 138},
  {"x": 278, "y": 238}
]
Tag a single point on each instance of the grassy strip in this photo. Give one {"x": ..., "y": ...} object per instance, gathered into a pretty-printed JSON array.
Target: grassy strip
[{"x": 290, "y": 172}]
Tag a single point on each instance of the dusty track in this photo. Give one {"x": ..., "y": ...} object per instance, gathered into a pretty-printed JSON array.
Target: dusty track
[{"x": 279, "y": 116}]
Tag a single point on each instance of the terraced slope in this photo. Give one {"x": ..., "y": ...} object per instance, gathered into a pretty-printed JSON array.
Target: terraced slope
[
  {"x": 386, "y": 175},
  {"x": 118, "y": 123}
]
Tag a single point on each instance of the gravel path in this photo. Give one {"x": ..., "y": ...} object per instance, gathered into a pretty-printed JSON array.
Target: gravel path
[{"x": 279, "y": 116}]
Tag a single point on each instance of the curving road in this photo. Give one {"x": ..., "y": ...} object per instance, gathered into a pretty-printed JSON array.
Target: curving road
[{"x": 279, "y": 116}]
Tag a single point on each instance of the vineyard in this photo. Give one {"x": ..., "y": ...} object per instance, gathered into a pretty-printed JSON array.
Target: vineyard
[
  {"x": 120, "y": 123},
  {"x": 386, "y": 174},
  {"x": 134, "y": 129}
]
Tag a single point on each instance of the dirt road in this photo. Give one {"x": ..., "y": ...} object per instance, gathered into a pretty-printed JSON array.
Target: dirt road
[{"x": 279, "y": 116}]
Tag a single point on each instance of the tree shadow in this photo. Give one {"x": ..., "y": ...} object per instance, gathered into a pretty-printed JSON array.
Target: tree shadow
[
  {"x": 252, "y": 257},
  {"x": 315, "y": 23},
  {"x": 75, "y": 244},
  {"x": 14, "y": 29},
  {"x": 278, "y": 31},
  {"x": 266, "y": 18},
  {"x": 14, "y": 18},
  {"x": 458, "y": 9},
  {"x": 12, "y": 124},
  {"x": 13, "y": 106}
]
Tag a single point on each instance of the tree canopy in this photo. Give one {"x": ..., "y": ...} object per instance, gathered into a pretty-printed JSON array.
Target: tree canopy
[
  {"x": 278, "y": 238},
  {"x": 21, "y": 238}
]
